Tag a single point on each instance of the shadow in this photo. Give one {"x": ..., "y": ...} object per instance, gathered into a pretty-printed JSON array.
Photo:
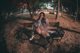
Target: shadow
[
  {"x": 38, "y": 44},
  {"x": 3, "y": 46},
  {"x": 21, "y": 31}
]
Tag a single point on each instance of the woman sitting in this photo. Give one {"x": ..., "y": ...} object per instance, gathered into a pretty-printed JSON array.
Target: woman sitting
[{"x": 41, "y": 25}]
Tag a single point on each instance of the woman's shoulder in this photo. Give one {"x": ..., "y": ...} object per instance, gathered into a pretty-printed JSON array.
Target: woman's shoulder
[{"x": 47, "y": 19}]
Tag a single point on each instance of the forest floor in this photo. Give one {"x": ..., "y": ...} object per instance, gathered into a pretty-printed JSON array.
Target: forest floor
[{"x": 70, "y": 42}]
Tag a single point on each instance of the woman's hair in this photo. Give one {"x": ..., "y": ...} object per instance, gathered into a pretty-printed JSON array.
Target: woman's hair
[{"x": 40, "y": 15}]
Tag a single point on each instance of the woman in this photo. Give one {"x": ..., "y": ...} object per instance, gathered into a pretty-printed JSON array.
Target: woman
[{"x": 42, "y": 24}]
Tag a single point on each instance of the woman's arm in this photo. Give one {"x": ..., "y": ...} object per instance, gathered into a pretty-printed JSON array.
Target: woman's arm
[{"x": 47, "y": 21}]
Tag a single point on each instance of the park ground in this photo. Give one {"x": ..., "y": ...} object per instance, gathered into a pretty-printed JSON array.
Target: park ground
[{"x": 70, "y": 42}]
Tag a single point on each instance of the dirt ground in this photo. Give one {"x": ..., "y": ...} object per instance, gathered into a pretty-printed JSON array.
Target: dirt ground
[{"x": 70, "y": 42}]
